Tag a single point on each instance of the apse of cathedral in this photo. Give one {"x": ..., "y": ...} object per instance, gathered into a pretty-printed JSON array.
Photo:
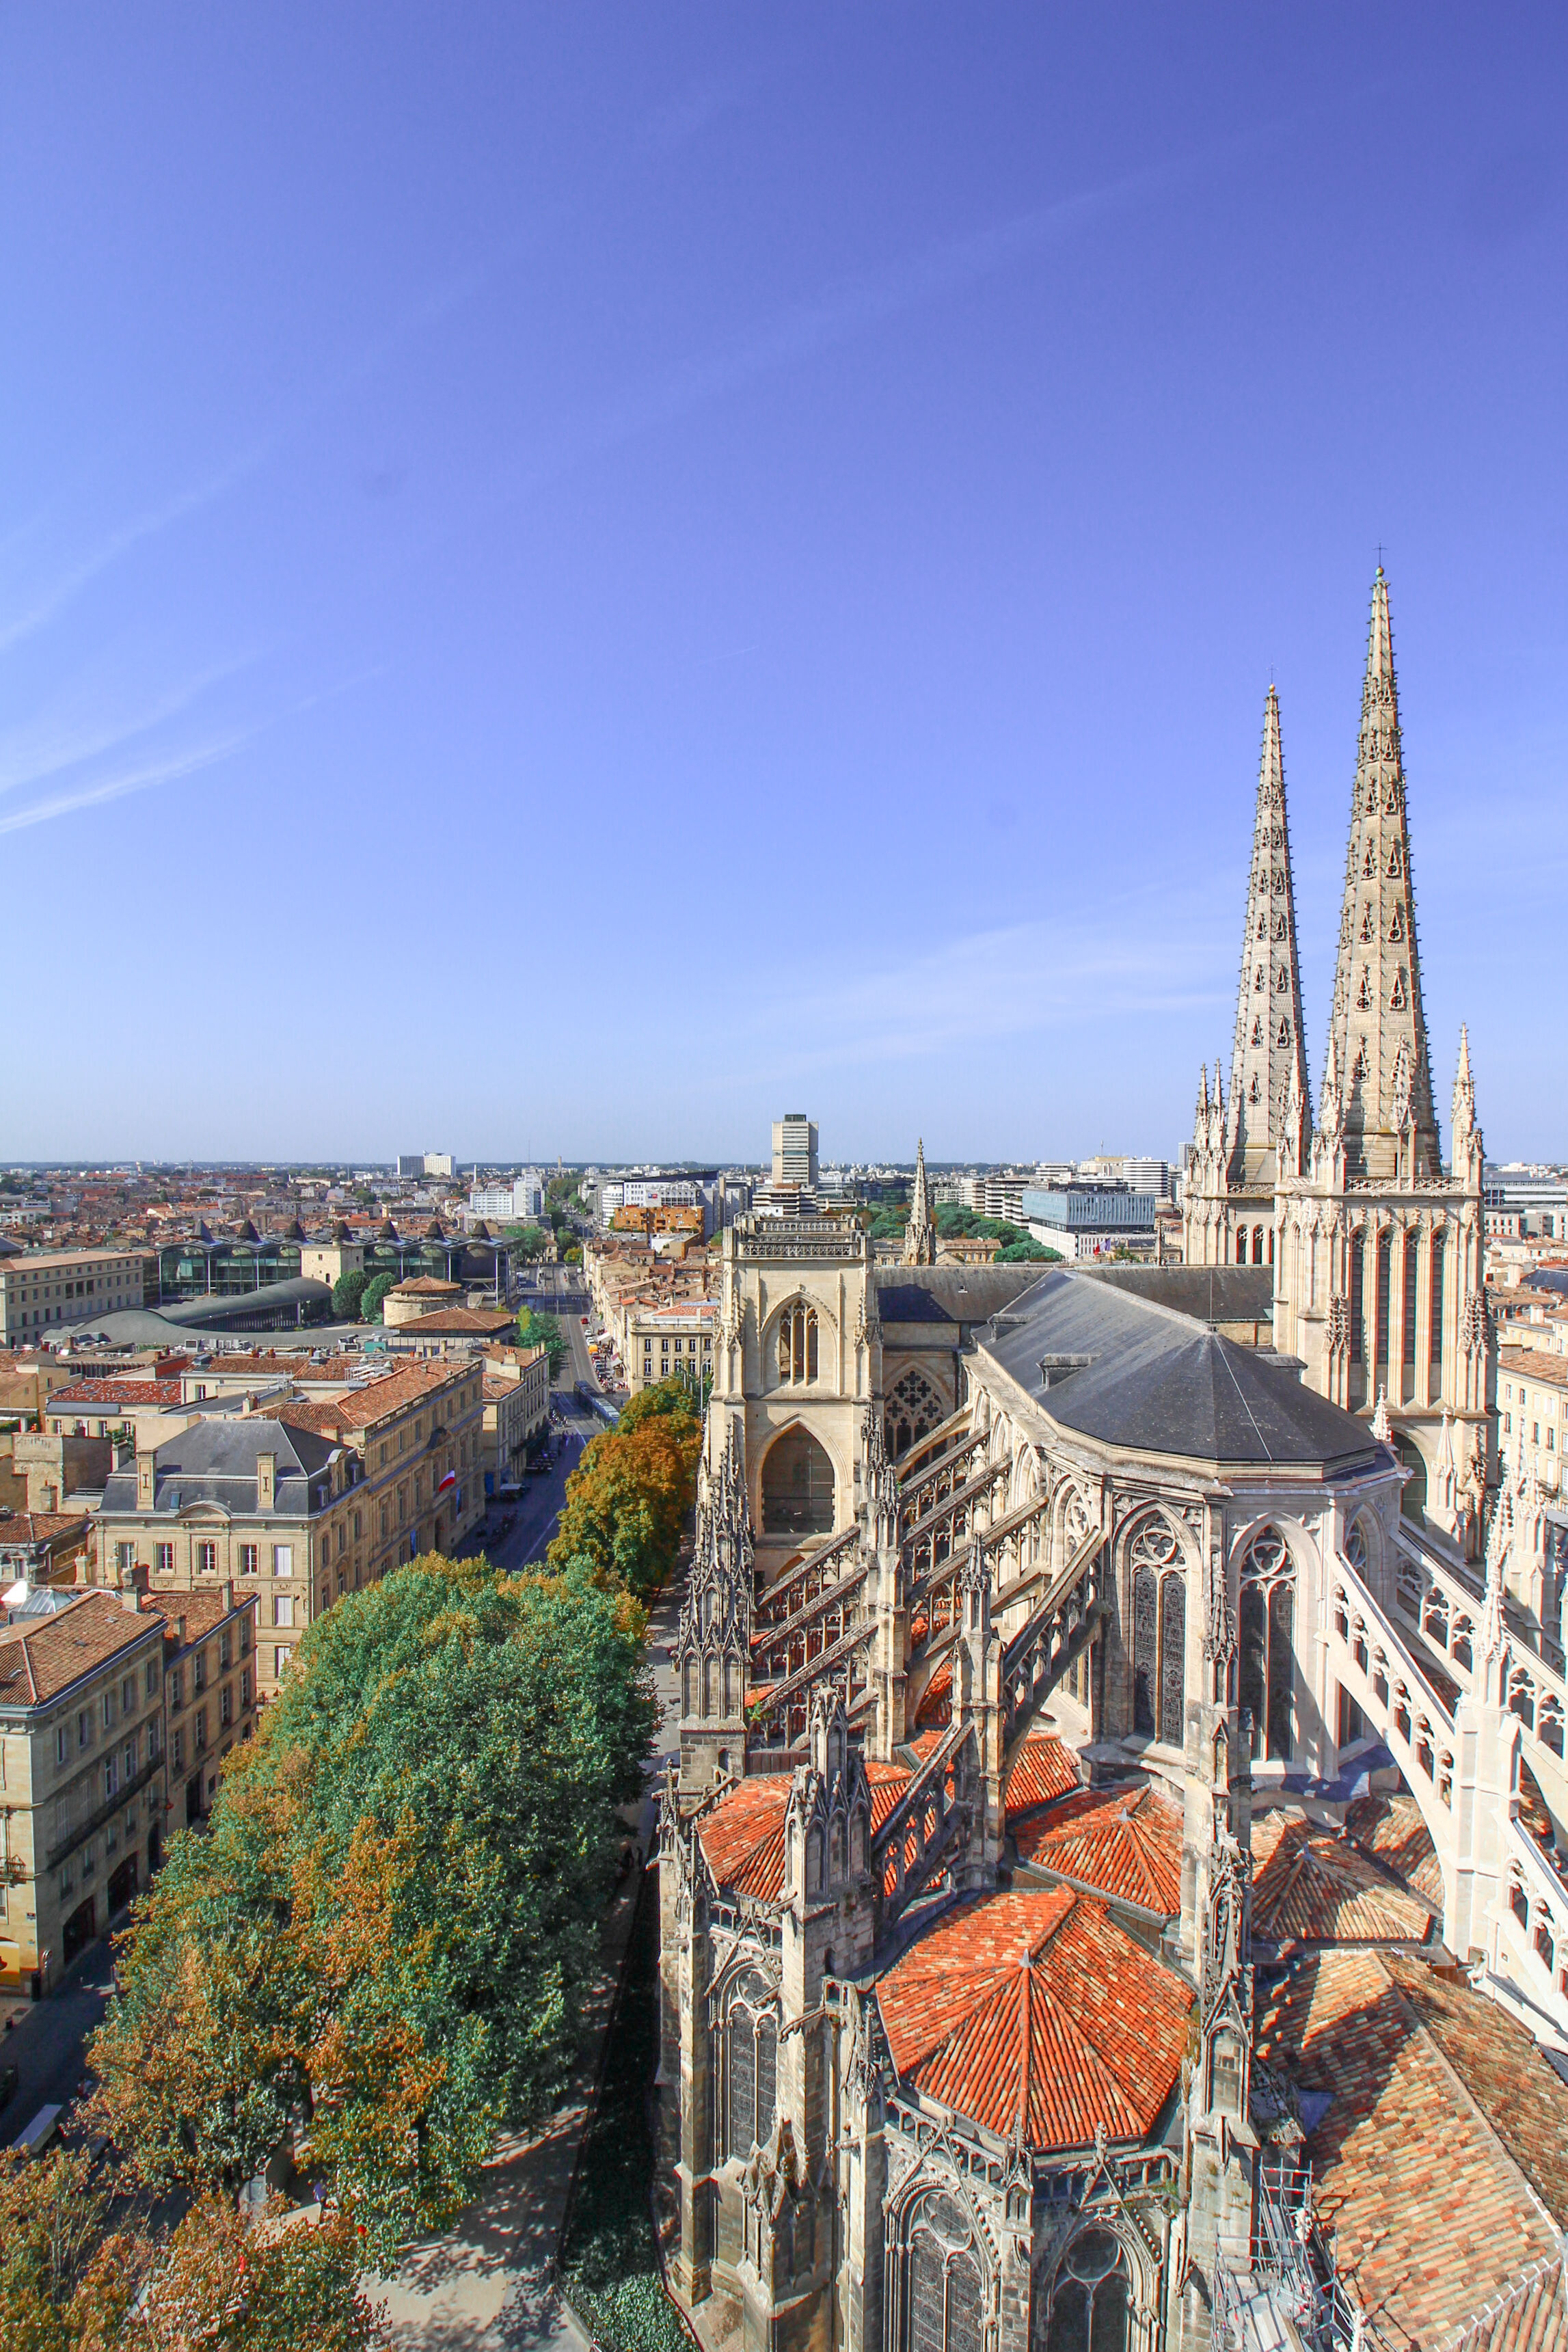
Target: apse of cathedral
[{"x": 1111, "y": 1894}]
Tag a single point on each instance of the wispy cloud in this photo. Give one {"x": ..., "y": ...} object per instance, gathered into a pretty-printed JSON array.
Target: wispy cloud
[
  {"x": 170, "y": 767},
  {"x": 1131, "y": 956},
  {"x": 52, "y": 598},
  {"x": 164, "y": 770},
  {"x": 31, "y": 755}
]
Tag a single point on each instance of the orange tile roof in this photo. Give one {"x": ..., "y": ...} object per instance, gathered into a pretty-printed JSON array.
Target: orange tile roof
[
  {"x": 459, "y": 1323},
  {"x": 101, "y": 1392},
  {"x": 743, "y": 1837},
  {"x": 1124, "y": 1843},
  {"x": 936, "y": 1701},
  {"x": 1419, "y": 2173},
  {"x": 1042, "y": 1771},
  {"x": 362, "y": 1408},
  {"x": 41, "y": 1657},
  {"x": 1086, "y": 2033},
  {"x": 39, "y": 1527},
  {"x": 1309, "y": 1887},
  {"x": 1535, "y": 1364},
  {"x": 1392, "y": 1830}
]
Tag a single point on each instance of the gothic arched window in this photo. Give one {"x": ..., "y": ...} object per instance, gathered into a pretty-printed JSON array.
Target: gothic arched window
[
  {"x": 797, "y": 1487},
  {"x": 1159, "y": 1632},
  {"x": 945, "y": 2311},
  {"x": 1267, "y": 1650},
  {"x": 1089, "y": 2304},
  {"x": 797, "y": 1344},
  {"x": 752, "y": 2059}
]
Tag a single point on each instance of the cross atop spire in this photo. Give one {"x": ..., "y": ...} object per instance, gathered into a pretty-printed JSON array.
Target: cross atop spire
[
  {"x": 1269, "y": 1056},
  {"x": 1378, "y": 1029}
]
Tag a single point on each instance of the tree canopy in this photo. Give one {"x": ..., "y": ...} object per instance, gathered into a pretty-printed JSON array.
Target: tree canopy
[
  {"x": 78, "y": 2274},
  {"x": 372, "y": 1295},
  {"x": 627, "y": 1499},
  {"x": 379, "y": 1950},
  {"x": 347, "y": 1292},
  {"x": 536, "y": 1330}
]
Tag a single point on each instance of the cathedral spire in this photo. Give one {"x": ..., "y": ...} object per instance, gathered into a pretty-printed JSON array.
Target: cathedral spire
[
  {"x": 1268, "y": 1061},
  {"x": 919, "y": 1233},
  {"x": 1378, "y": 1029}
]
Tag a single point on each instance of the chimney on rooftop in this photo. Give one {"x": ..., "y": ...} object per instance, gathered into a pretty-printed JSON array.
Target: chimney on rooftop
[
  {"x": 266, "y": 1481},
  {"x": 146, "y": 1481}
]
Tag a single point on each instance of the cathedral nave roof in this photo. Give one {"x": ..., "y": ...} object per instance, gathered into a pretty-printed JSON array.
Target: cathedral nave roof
[
  {"x": 744, "y": 1836},
  {"x": 1155, "y": 1382}
]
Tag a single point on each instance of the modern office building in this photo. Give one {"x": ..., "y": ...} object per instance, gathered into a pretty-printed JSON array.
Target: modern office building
[{"x": 795, "y": 1150}]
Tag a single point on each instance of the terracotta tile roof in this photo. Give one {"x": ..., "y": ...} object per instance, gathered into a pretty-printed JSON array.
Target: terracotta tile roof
[
  {"x": 1535, "y": 1364},
  {"x": 43, "y": 1656},
  {"x": 743, "y": 1837},
  {"x": 1124, "y": 1843},
  {"x": 202, "y": 1610},
  {"x": 1440, "y": 2109},
  {"x": 101, "y": 1392},
  {"x": 1530, "y": 2318},
  {"x": 1392, "y": 1830},
  {"x": 1311, "y": 1886},
  {"x": 427, "y": 1286},
  {"x": 39, "y": 1526},
  {"x": 936, "y": 1700},
  {"x": 1088, "y": 2034},
  {"x": 1043, "y": 1771},
  {"x": 377, "y": 1401},
  {"x": 461, "y": 1323}
]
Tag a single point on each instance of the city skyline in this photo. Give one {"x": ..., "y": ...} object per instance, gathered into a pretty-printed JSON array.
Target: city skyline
[{"x": 796, "y": 527}]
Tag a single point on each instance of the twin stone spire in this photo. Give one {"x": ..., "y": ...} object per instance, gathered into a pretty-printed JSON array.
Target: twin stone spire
[{"x": 1378, "y": 1083}]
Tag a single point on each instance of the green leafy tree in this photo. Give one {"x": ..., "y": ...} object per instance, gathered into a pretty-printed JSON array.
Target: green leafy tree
[
  {"x": 1029, "y": 1252},
  {"x": 380, "y": 1949},
  {"x": 628, "y": 1499},
  {"x": 536, "y": 1330},
  {"x": 572, "y": 1256},
  {"x": 347, "y": 1292},
  {"x": 372, "y": 1295}
]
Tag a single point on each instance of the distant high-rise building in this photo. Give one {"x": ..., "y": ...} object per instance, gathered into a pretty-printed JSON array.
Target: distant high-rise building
[
  {"x": 795, "y": 1150},
  {"x": 425, "y": 1163}
]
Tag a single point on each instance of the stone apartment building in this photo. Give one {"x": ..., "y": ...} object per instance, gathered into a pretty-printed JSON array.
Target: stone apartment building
[
  {"x": 273, "y": 1507},
  {"x": 516, "y": 1406},
  {"x": 43, "y": 1290},
  {"x": 669, "y": 1339},
  {"x": 209, "y": 1691},
  {"x": 81, "y": 1785},
  {"x": 311, "y": 1497}
]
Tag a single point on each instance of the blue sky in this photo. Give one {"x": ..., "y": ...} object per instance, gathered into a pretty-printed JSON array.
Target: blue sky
[{"x": 573, "y": 580}]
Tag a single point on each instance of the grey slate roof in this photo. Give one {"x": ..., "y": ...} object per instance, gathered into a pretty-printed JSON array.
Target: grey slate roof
[
  {"x": 1209, "y": 1293},
  {"x": 1156, "y": 1381},
  {"x": 965, "y": 1295},
  {"x": 214, "y": 1461}
]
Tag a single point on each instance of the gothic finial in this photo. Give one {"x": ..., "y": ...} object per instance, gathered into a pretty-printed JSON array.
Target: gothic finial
[{"x": 1381, "y": 1429}]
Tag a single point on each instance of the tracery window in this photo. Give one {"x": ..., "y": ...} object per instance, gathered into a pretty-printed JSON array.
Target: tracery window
[
  {"x": 913, "y": 1410},
  {"x": 1267, "y": 1650},
  {"x": 797, "y": 1343},
  {"x": 752, "y": 2061},
  {"x": 945, "y": 2311},
  {"x": 1089, "y": 2304},
  {"x": 1159, "y": 1631}
]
